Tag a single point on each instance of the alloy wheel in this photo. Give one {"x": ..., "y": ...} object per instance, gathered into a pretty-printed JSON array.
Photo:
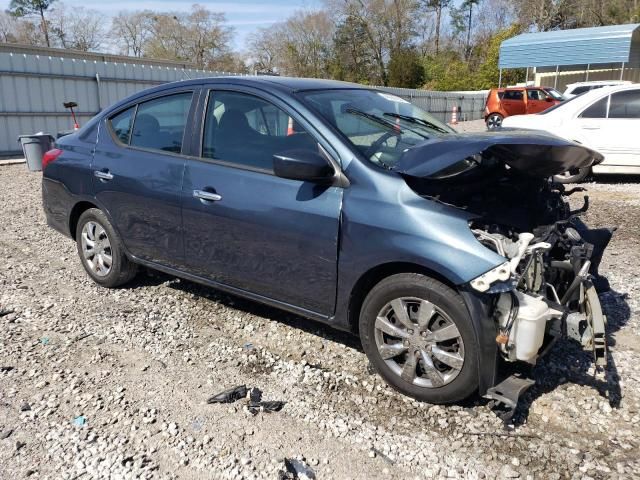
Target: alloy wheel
[
  {"x": 419, "y": 342},
  {"x": 494, "y": 121},
  {"x": 96, "y": 248}
]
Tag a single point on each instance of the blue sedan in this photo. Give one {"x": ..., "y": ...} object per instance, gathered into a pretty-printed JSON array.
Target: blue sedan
[{"x": 346, "y": 205}]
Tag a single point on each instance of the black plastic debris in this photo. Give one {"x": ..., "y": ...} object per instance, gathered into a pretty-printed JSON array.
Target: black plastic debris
[
  {"x": 6, "y": 368},
  {"x": 296, "y": 470},
  {"x": 255, "y": 403},
  {"x": 255, "y": 395},
  {"x": 229, "y": 396}
]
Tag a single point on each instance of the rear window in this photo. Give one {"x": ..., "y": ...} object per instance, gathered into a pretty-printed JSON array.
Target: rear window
[
  {"x": 160, "y": 123},
  {"x": 625, "y": 104},
  {"x": 513, "y": 95},
  {"x": 121, "y": 124},
  {"x": 579, "y": 90}
]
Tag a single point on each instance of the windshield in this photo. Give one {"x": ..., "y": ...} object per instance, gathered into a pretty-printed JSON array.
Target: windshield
[
  {"x": 381, "y": 126},
  {"x": 555, "y": 107},
  {"x": 555, "y": 93}
]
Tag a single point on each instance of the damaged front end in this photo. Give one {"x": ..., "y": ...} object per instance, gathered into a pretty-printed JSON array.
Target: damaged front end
[{"x": 546, "y": 286}]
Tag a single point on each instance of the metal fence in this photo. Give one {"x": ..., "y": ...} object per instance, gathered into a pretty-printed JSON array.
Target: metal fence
[
  {"x": 35, "y": 82},
  {"x": 470, "y": 105}
]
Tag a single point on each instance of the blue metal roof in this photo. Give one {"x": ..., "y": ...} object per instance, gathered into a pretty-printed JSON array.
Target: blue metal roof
[{"x": 581, "y": 46}]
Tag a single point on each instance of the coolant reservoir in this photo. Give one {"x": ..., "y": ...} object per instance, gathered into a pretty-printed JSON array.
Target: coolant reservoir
[{"x": 529, "y": 327}]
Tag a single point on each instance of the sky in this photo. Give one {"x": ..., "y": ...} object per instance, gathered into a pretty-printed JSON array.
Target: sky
[{"x": 243, "y": 15}]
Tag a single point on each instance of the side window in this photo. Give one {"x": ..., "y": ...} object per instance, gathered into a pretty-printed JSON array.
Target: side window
[
  {"x": 245, "y": 130},
  {"x": 596, "y": 110},
  {"x": 513, "y": 95},
  {"x": 160, "y": 123},
  {"x": 579, "y": 90},
  {"x": 121, "y": 124},
  {"x": 625, "y": 104},
  {"x": 536, "y": 95}
]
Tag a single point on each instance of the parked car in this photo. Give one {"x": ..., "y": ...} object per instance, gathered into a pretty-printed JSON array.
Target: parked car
[
  {"x": 505, "y": 102},
  {"x": 345, "y": 205},
  {"x": 578, "y": 88},
  {"x": 606, "y": 119}
]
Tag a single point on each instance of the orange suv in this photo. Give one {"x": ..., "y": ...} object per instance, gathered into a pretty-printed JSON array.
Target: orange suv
[{"x": 503, "y": 102}]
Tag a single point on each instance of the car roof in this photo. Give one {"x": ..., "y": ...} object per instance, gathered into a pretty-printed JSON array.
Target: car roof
[
  {"x": 291, "y": 84},
  {"x": 587, "y": 98},
  {"x": 599, "y": 82}
]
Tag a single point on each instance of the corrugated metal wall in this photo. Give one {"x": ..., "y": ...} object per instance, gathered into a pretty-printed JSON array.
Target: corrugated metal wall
[
  {"x": 34, "y": 87},
  {"x": 548, "y": 79},
  {"x": 441, "y": 104}
]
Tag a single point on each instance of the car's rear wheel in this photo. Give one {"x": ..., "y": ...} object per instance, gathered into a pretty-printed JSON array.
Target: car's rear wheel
[
  {"x": 418, "y": 335},
  {"x": 494, "y": 121},
  {"x": 101, "y": 251},
  {"x": 573, "y": 176}
]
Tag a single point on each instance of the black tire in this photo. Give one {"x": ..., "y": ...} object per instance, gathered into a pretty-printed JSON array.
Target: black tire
[
  {"x": 121, "y": 270},
  {"x": 494, "y": 121},
  {"x": 447, "y": 301},
  {"x": 573, "y": 177}
]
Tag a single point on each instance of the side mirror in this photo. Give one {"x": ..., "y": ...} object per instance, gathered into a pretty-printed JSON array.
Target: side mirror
[
  {"x": 549, "y": 99},
  {"x": 305, "y": 165}
]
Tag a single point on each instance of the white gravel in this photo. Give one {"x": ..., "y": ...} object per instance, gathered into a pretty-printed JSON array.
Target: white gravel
[{"x": 98, "y": 383}]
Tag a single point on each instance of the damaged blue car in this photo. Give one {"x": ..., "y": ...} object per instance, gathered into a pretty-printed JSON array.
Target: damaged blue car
[{"x": 447, "y": 254}]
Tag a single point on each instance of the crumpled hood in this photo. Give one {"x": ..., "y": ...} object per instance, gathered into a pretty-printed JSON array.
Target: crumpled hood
[{"x": 535, "y": 154}]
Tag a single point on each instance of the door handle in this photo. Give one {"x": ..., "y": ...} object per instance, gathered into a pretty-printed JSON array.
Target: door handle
[
  {"x": 207, "y": 196},
  {"x": 103, "y": 175},
  {"x": 590, "y": 127}
]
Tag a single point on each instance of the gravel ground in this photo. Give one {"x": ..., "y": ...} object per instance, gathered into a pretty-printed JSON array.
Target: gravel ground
[{"x": 98, "y": 383}]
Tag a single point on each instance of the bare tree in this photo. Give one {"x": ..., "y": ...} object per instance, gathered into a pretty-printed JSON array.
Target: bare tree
[
  {"x": 264, "y": 49},
  {"x": 437, "y": 6},
  {"x": 25, "y": 8},
  {"x": 130, "y": 32},
  {"x": 77, "y": 28}
]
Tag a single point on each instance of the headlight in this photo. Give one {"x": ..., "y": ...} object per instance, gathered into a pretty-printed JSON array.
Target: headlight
[{"x": 500, "y": 273}]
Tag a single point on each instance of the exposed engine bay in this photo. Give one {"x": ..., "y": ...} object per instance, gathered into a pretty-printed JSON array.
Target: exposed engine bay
[{"x": 546, "y": 287}]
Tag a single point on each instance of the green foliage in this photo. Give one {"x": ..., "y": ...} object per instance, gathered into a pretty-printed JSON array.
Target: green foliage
[
  {"x": 405, "y": 69},
  {"x": 488, "y": 74},
  {"x": 21, "y": 8}
]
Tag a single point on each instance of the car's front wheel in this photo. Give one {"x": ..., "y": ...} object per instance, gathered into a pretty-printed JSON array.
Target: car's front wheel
[
  {"x": 494, "y": 121},
  {"x": 101, "y": 251},
  {"x": 418, "y": 335}
]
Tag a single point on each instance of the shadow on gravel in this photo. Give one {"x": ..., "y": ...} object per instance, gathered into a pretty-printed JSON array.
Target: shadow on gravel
[
  {"x": 567, "y": 362},
  {"x": 248, "y": 306}
]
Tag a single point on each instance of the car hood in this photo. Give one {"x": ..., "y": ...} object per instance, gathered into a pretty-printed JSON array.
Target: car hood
[{"x": 535, "y": 154}]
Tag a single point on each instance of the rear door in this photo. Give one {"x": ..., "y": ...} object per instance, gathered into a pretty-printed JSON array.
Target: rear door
[
  {"x": 138, "y": 169},
  {"x": 513, "y": 102},
  {"x": 619, "y": 132},
  {"x": 243, "y": 226}
]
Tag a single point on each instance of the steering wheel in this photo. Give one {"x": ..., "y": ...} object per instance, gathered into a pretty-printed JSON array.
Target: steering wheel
[{"x": 378, "y": 143}]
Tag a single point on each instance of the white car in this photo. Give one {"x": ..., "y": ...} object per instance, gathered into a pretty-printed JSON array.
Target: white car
[
  {"x": 578, "y": 88},
  {"x": 606, "y": 120}
]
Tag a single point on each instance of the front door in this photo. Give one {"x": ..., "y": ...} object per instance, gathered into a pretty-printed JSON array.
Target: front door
[
  {"x": 245, "y": 227},
  {"x": 538, "y": 101},
  {"x": 138, "y": 172}
]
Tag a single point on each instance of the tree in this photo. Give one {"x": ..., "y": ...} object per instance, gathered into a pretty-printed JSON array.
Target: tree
[
  {"x": 438, "y": 6},
  {"x": 23, "y": 8},
  {"x": 131, "y": 31},
  {"x": 352, "y": 60},
  {"x": 405, "y": 69},
  {"x": 264, "y": 50},
  {"x": 77, "y": 28}
]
